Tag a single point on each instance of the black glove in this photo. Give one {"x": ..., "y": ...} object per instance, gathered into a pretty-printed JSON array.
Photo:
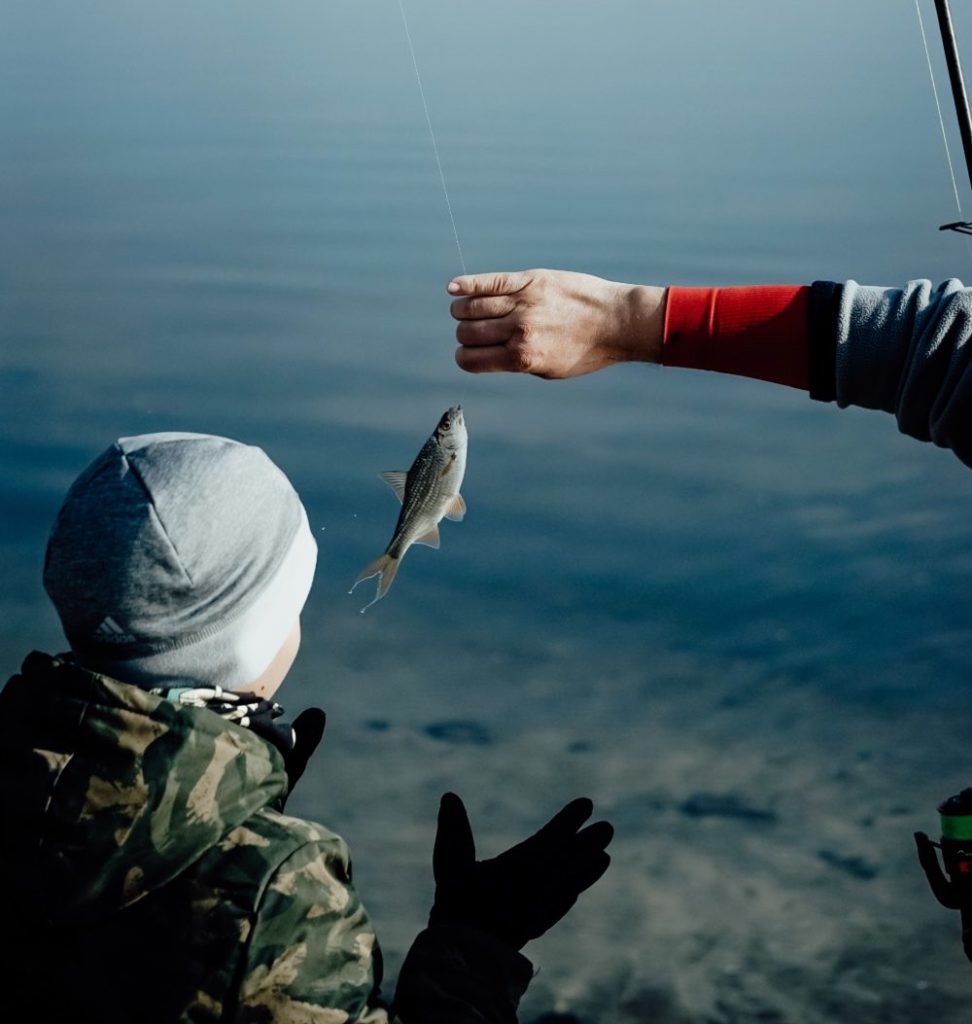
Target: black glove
[
  {"x": 521, "y": 893},
  {"x": 308, "y": 730}
]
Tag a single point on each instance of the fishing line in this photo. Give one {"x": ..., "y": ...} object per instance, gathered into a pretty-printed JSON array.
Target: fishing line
[
  {"x": 941, "y": 119},
  {"x": 435, "y": 145}
]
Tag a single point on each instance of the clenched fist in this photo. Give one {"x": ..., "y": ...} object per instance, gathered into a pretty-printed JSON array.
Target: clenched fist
[{"x": 554, "y": 323}]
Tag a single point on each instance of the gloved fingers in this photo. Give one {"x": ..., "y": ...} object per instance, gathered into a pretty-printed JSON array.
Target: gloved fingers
[
  {"x": 589, "y": 870},
  {"x": 594, "y": 837},
  {"x": 308, "y": 728},
  {"x": 581, "y": 862},
  {"x": 567, "y": 820},
  {"x": 570, "y": 846},
  {"x": 454, "y": 851},
  {"x": 554, "y": 895}
]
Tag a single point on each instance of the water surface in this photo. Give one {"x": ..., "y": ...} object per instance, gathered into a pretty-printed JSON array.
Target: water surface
[{"x": 227, "y": 218}]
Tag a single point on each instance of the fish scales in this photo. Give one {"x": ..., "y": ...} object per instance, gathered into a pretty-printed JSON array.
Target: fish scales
[
  {"x": 429, "y": 491},
  {"x": 423, "y": 494}
]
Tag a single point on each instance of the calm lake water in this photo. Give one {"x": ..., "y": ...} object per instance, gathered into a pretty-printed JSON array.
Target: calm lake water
[{"x": 226, "y": 217}]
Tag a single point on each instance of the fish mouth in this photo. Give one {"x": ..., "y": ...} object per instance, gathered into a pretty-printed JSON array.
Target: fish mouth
[{"x": 452, "y": 417}]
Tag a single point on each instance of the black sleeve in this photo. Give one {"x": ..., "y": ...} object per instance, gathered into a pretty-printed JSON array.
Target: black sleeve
[
  {"x": 458, "y": 975},
  {"x": 822, "y": 333}
]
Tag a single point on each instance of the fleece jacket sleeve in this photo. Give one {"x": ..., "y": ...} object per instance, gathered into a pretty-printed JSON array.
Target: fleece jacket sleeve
[{"x": 906, "y": 350}]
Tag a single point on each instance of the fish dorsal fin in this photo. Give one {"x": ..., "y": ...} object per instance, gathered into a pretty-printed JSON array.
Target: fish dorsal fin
[
  {"x": 456, "y": 509},
  {"x": 430, "y": 538},
  {"x": 395, "y": 478}
]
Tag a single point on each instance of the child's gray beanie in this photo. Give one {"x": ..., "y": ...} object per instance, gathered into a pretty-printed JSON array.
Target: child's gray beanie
[{"x": 180, "y": 558}]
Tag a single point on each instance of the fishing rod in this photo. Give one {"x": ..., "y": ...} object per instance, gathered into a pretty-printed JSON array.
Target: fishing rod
[{"x": 959, "y": 96}]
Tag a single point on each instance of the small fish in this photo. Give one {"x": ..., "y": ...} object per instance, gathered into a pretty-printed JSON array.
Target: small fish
[{"x": 428, "y": 492}]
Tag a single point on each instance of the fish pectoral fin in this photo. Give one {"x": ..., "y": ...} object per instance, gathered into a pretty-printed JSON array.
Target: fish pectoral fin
[
  {"x": 395, "y": 478},
  {"x": 430, "y": 538},
  {"x": 456, "y": 509}
]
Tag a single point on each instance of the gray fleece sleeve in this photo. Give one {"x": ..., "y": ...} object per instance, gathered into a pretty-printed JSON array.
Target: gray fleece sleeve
[{"x": 908, "y": 351}]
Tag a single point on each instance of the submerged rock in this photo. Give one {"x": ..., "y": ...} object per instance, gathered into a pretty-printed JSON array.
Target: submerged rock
[
  {"x": 724, "y": 805},
  {"x": 856, "y": 867},
  {"x": 459, "y": 731}
]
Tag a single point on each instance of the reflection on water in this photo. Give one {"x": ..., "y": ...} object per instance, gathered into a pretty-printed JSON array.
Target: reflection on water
[{"x": 230, "y": 221}]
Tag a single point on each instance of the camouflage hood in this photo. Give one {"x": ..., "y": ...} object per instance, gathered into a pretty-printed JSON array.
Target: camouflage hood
[{"x": 108, "y": 792}]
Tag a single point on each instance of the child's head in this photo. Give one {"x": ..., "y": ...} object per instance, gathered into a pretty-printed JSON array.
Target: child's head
[{"x": 182, "y": 559}]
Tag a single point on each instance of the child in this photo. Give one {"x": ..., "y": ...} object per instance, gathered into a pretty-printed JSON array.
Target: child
[{"x": 152, "y": 874}]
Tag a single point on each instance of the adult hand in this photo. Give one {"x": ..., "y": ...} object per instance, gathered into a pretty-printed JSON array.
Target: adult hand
[
  {"x": 521, "y": 893},
  {"x": 554, "y": 323}
]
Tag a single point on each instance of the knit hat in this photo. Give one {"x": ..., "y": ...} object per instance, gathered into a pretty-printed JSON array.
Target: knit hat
[{"x": 180, "y": 558}]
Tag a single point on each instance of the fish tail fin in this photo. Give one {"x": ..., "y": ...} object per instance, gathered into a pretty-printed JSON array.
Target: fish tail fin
[{"x": 384, "y": 567}]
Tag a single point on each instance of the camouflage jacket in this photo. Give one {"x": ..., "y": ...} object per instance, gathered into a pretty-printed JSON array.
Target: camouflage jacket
[{"x": 153, "y": 877}]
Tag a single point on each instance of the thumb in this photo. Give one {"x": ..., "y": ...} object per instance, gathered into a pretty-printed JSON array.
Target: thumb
[
  {"x": 489, "y": 284},
  {"x": 455, "y": 850},
  {"x": 308, "y": 731}
]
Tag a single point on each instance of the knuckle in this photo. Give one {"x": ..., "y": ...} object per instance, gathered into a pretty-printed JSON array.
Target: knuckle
[{"x": 522, "y": 359}]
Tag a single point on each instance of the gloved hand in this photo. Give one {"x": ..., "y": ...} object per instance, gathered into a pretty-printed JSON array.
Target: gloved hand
[
  {"x": 521, "y": 893},
  {"x": 308, "y": 729}
]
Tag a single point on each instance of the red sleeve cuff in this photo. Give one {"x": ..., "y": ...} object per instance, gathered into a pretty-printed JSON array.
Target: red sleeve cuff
[{"x": 758, "y": 331}]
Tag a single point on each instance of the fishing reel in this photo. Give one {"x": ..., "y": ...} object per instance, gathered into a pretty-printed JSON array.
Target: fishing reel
[{"x": 953, "y": 886}]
